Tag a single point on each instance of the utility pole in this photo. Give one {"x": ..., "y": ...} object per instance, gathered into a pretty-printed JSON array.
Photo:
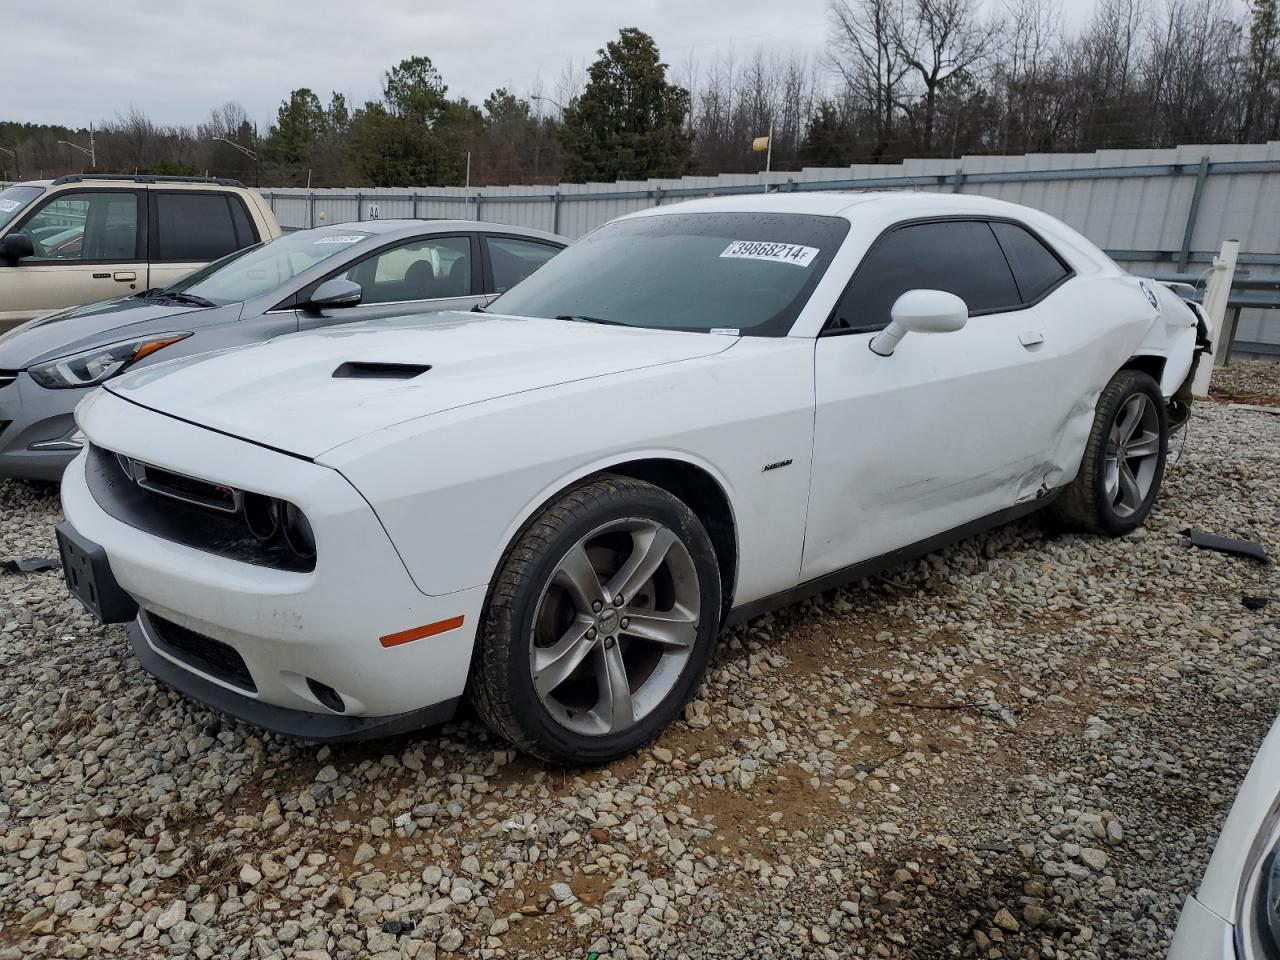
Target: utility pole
[
  {"x": 468, "y": 184},
  {"x": 17, "y": 171}
]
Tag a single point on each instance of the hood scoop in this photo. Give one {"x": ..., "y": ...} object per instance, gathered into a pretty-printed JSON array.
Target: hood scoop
[{"x": 369, "y": 370}]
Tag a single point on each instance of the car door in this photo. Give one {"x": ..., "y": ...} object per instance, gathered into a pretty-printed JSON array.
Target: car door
[
  {"x": 508, "y": 260},
  {"x": 949, "y": 428},
  {"x": 89, "y": 245},
  {"x": 422, "y": 275},
  {"x": 190, "y": 228}
]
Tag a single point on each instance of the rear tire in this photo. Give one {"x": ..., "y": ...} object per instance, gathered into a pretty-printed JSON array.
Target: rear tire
[
  {"x": 1123, "y": 462},
  {"x": 599, "y": 625}
]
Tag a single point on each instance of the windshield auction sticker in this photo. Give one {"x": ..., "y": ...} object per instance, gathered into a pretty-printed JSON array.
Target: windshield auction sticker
[
  {"x": 354, "y": 238},
  {"x": 8, "y": 206},
  {"x": 776, "y": 252}
]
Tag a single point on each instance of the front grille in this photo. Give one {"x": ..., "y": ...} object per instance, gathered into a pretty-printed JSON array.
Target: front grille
[
  {"x": 4, "y": 425},
  {"x": 205, "y": 654},
  {"x": 7, "y": 377},
  {"x": 183, "y": 510}
]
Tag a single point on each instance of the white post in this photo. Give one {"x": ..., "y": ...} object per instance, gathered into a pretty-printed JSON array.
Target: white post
[
  {"x": 768, "y": 157},
  {"x": 1215, "y": 306}
]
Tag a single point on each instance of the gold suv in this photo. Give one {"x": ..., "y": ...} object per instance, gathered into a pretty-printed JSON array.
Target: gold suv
[{"x": 80, "y": 239}]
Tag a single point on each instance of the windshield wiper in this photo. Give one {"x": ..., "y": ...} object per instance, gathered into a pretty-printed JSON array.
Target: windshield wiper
[
  {"x": 189, "y": 299},
  {"x": 581, "y": 318},
  {"x": 160, "y": 293}
]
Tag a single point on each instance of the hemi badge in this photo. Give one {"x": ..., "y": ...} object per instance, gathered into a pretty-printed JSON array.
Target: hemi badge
[{"x": 419, "y": 633}]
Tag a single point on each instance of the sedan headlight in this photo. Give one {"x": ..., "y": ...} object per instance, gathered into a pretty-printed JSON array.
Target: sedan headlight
[{"x": 91, "y": 367}]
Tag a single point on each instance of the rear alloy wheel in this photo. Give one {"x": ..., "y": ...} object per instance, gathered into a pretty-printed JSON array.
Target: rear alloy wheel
[
  {"x": 1123, "y": 461},
  {"x": 600, "y": 624}
]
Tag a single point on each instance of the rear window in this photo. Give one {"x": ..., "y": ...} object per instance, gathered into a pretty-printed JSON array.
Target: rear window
[
  {"x": 749, "y": 273},
  {"x": 194, "y": 226},
  {"x": 1036, "y": 268}
]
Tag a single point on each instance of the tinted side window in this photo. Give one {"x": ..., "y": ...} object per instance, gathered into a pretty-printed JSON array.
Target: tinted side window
[
  {"x": 958, "y": 256},
  {"x": 192, "y": 226},
  {"x": 1035, "y": 267},
  {"x": 513, "y": 260}
]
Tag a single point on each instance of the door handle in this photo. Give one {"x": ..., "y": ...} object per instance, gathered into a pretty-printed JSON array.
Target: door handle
[
  {"x": 1031, "y": 338},
  {"x": 125, "y": 276}
]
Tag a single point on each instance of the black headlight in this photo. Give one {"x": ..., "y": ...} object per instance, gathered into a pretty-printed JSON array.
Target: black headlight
[
  {"x": 297, "y": 531},
  {"x": 272, "y": 520}
]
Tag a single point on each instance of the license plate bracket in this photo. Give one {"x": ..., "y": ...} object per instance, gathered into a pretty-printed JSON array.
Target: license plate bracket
[{"x": 89, "y": 577}]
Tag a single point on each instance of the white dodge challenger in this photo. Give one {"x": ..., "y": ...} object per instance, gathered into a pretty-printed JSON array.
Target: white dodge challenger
[{"x": 694, "y": 414}]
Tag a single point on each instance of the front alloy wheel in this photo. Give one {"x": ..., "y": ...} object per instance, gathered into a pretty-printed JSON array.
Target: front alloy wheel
[
  {"x": 615, "y": 626},
  {"x": 599, "y": 625}
]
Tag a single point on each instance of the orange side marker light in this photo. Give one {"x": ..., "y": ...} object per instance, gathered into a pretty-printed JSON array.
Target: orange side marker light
[{"x": 419, "y": 633}]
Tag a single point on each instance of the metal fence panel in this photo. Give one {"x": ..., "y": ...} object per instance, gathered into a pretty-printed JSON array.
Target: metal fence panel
[{"x": 1156, "y": 211}]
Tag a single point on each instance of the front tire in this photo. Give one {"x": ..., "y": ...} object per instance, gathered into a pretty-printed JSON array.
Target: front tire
[
  {"x": 1123, "y": 462},
  {"x": 599, "y": 625}
]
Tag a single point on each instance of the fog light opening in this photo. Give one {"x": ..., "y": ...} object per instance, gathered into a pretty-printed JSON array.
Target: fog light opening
[{"x": 327, "y": 695}]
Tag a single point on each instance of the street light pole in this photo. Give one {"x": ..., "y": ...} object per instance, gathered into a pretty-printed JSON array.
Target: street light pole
[
  {"x": 550, "y": 100},
  {"x": 252, "y": 155},
  {"x": 17, "y": 171},
  {"x": 91, "y": 152}
]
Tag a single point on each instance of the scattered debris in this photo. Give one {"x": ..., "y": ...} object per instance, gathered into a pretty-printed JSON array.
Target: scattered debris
[
  {"x": 30, "y": 565},
  {"x": 397, "y": 927},
  {"x": 1210, "y": 541}
]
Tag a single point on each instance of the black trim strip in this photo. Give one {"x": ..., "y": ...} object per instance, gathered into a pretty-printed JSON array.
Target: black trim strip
[{"x": 886, "y": 561}]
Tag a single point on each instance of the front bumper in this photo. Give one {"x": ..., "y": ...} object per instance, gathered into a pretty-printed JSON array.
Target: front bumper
[
  {"x": 292, "y": 630},
  {"x": 1202, "y": 935},
  {"x": 301, "y": 724},
  {"x": 34, "y": 423}
]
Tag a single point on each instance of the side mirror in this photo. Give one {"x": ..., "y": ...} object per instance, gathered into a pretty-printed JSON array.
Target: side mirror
[
  {"x": 920, "y": 311},
  {"x": 336, "y": 293},
  {"x": 15, "y": 246}
]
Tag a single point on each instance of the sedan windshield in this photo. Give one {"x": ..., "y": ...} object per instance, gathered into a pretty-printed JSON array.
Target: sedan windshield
[
  {"x": 13, "y": 200},
  {"x": 748, "y": 273},
  {"x": 253, "y": 271}
]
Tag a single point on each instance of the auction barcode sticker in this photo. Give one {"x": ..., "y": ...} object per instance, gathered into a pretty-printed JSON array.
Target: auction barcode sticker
[
  {"x": 776, "y": 252},
  {"x": 8, "y": 206},
  {"x": 346, "y": 238}
]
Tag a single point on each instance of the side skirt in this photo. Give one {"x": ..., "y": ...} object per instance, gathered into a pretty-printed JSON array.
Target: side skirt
[{"x": 884, "y": 562}]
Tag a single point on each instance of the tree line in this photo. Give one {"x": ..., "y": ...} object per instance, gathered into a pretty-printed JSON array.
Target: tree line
[{"x": 896, "y": 79}]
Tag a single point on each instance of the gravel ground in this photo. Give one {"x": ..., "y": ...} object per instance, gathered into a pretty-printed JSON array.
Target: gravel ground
[{"x": 1023, "y": 746}]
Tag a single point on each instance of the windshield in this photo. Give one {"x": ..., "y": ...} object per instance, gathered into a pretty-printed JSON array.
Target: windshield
[
  {"x": 253, "y": 271},
  {"x": 13, "y": 200},
  {"x": 743, "y": 272}
]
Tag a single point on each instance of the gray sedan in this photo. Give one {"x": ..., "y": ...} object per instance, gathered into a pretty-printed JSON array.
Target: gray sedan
[{"x": 314, "y": 278}]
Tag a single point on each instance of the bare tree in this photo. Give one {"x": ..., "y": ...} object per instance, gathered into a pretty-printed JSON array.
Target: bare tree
[
  {"x": 939, "y": 39},
  {"x": 863, "y": 51}
]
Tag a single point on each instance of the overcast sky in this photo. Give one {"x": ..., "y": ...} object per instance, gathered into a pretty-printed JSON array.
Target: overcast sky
[{"x": 79, "y": 61}]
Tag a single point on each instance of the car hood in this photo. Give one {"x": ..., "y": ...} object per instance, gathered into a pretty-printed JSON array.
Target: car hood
[
  {"x": 284, "y": 393},
  {"x": 80, "y": 328}
]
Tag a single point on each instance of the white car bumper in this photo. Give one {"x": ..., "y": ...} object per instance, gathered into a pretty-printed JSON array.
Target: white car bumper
[
  {"x": 1202, "y": 935},
  {"x": 336, "y": 625}
]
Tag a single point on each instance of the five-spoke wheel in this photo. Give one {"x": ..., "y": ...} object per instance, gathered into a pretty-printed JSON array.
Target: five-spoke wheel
[
  {"x": 1123, "y": 460},
  {"x": 600, "y": 624}
]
